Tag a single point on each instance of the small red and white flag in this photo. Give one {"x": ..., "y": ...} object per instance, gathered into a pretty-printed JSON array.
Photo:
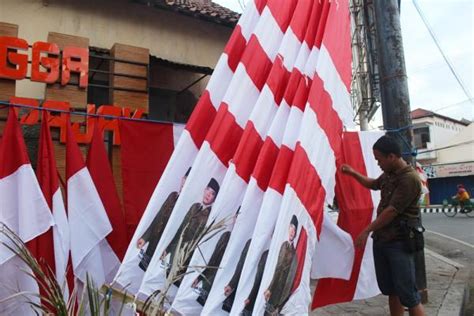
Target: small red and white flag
[
  {"x": 53, "y": 246},
  {"x": 25, "y": 211},
  {"x": 89, "y": 225},
  {"x": 101, "y": 173}
]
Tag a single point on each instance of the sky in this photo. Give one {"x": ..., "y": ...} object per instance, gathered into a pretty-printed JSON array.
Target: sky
[{"x": 431, "y": 83}]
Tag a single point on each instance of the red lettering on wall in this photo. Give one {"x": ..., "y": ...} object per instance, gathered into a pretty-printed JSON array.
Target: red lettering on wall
[
  {"x": 82, "y": 130},
  {"x": 50, "y": 63},
  {"x": 75, "y": 59},
  {"x": 13, "y": 65}
]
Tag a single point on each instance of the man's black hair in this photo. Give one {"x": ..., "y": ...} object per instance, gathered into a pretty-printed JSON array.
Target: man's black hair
[{"x": 387, "y": 145}]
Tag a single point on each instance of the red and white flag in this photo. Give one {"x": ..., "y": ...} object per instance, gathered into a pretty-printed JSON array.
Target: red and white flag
[
  {"x": 101, "y": 173},
  {"x": 268, "y": 111},
  {"x": 25, "y": 211},
  {"x": 285, "y": 117},
  {"x": 53, "y": 246},
  {"x": 221, "y": 142},
  {"x": 130, "y": 274},
  {"x": 312, "y": 176},
  {"x": 89, "y": 225},
  {"x": 357, "y": 210}
]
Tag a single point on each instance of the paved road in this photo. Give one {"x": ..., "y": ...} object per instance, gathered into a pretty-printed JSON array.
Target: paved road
[
  {"x": 453, "y": 237},
  {"x": 459, "y": 227}
]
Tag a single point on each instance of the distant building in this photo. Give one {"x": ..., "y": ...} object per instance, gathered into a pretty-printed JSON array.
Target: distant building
[{"x": 446, "y": 151}]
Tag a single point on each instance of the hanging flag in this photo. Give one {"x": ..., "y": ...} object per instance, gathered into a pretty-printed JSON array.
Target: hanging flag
[
  {"x": 311, "y": 179},
  {"x": 224, "y": 136},
  {"x": 139, "y": 176},
  {"x": 130, "y": 273},
  {"x": 220, "y": 301},
  {"x": 357, "y": 210},
  {"x": 52, "y": 246},
  {"x": 25, "y": 211},
  {"x": 268, "y": 108},
  {"x": 101, "y": 173},
  {"x": 89, "y": 225}
]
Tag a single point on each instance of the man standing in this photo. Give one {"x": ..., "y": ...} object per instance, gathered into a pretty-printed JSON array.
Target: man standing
[
  {"x": 193, "y": 225},
  {"x": 279, "y": 289},
  {"x": 398, "y": 214},
  {"x": 153, "y": 233}
]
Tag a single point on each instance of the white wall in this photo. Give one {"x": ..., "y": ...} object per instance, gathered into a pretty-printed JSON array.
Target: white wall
[
  {"x": 459, "y": 153},
  {"x": 442, "y": 131}
]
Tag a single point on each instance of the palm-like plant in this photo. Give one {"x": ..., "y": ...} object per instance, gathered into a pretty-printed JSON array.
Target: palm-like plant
[
  {"x": 92, "y": 301},
  {"x": 156, "y": 304}
]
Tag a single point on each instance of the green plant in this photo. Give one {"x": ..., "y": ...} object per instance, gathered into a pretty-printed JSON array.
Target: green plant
[
  {"x": 155, "y": 304},
  {"x": 92, "y": 301}
]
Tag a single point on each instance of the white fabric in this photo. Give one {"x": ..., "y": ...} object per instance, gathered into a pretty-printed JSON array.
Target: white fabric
[
  {"x": 177, "y": 131},
  {"x": 25, "y": 211},
  {"x": 89, "y": 226},
  {"x": 61, "y": 239},
  {"x": 23, "y": 207},
  {"x": 334, "y": 245},
  {"x": 13, "y": 280}
]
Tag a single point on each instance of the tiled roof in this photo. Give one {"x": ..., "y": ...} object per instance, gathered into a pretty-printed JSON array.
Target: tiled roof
[
  {"x": 204, "y": 10},
  {"x": 421, "y": 113}
]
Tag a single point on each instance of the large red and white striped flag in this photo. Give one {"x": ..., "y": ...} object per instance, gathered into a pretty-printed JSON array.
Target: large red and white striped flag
[
  {"x": 25, "y": 211},
  {"x": 89, "y": 225},
  {"x": 53, "y": 246},
  {"x": 311, "y": 179},
  {"x": 285, "y": 122},
  {"x": 358, "y": 207},
  {"x": 269, "y": 111},
  {"x": 245, "y": 91},
  {"x": 167, "y": 190}
]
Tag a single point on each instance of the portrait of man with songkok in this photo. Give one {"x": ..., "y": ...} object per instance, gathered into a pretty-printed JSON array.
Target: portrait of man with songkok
[
  {"x": 279, "y": 290},
  {"x": 207, "y": 276},
  {"x": 153, "y": 233},
  {"x": 192, "y": 225}
]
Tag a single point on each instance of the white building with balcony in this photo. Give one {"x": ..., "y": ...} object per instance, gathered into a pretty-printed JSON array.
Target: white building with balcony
[
  {"x": 445, "y": 150},
  {"x": 432, "y": 131}
]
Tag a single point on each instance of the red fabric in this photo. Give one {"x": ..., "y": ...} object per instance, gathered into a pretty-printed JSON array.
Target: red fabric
[
  {"x": 247, "y": 152},
  {"x": 305, "y": 180},
  {"x": 356, "y": 209},
  {"x": 145, "y": 151},
  {"x": 101, "y": 173},
  {"x": 300, "y": 256},
  {"x": 224, "y": 135},
  {"x": 12, "y": 142},
  {"x": 74, "y": 159}
]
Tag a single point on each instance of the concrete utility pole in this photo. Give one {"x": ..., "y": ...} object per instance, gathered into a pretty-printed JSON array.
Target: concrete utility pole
[
  {"x": 394, "y": 93},
  {"x": 393, "y": 78}
]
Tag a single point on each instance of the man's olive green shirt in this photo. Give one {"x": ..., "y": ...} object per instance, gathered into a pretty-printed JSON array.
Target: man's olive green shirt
[{"x": 400, "y": 189}]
